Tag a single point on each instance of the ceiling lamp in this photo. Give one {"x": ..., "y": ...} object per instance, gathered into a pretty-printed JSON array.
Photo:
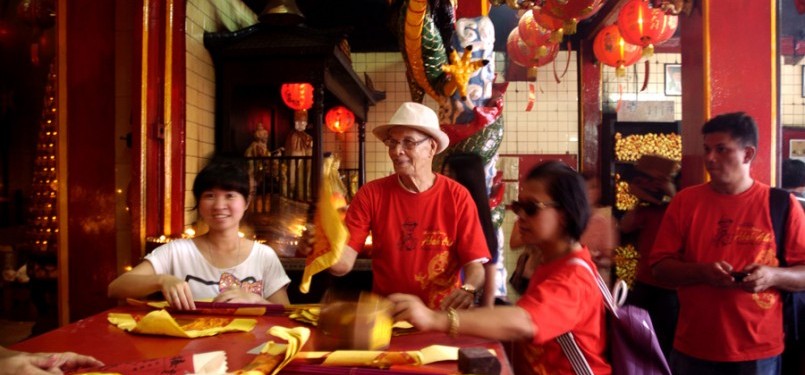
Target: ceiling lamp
[
  {"x": 610, "y": 49},
  {"x": 339, "y": 119},
  {"x": 298, "y": 96},
  {"x": 642, "y": 25}
]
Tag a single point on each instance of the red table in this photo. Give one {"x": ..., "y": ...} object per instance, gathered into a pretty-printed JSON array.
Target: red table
[{"x": 96, "y": 337}]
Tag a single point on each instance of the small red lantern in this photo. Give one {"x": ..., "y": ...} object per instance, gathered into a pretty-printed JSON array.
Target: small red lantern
[
  {"x": 641, "y": 25},
  {"x": 298, "y": 96},
  {"x": 532, "y": 33},
  {"x": 610, "y": 49},
  {"x": 339, "y": 119},
  {"x": 571, "y": 12},
  {"x": 669, "y": 28},
  {"x": 526, "y": 56},
  {"x": 551, "y": 23}
]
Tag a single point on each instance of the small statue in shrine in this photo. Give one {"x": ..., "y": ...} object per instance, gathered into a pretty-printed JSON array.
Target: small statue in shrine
[
  {"x": 299, "y": 143},
  {"x": 258, "y": 148}
]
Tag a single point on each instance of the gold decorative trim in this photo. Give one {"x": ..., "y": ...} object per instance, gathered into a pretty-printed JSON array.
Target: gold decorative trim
[
  {"x": 168, "y": 119},
  {"x": 62, "y": 196},
  {"x": 143, "y": 125}
]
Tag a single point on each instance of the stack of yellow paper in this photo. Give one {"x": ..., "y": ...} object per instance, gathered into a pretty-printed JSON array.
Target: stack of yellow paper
[{"x": 160, "y": 322}]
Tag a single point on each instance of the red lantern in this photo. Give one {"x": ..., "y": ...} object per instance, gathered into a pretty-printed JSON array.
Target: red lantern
[
  {"x": 571, "y": 12},
  {"x": 298, "y": 96},
  {"x": 669, "y": 28},
  {"x": 610, "y": 49},
  {"x": 529, "y": 57},
  {"x": 339, "y": 119},
  {"x": 641, "y": 25},
  {"x": 532, "y": 33},
  {"x": 551, "y": 23}
]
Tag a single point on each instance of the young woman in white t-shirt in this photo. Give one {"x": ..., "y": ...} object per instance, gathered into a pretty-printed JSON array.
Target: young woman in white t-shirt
[{"x": 219, "y": 265}]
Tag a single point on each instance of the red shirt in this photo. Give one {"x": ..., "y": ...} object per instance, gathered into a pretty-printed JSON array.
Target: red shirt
[
  {"x": 420, "y": 241},
  {"x": 702, "y": 226},
  {"x": 564, "y": 297}
]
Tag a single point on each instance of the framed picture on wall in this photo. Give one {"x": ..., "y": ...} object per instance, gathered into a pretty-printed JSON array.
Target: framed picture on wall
[
  {"x": 796, "y": 149},
  {"x": 673, "y": 79}
]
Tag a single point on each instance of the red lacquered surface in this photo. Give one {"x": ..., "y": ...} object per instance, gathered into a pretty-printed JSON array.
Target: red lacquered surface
[{"x": 96, "y": 337}]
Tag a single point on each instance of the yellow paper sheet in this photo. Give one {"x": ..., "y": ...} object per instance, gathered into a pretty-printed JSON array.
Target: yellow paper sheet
[
  {"x": 160, "y": 322},
  {"x": 296, "y": 339}
]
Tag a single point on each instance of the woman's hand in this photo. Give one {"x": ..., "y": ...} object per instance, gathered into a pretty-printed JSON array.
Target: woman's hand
[
  {"x": 177, "y": 293},
  {"x": 12, "y": 362},
  {"x": 237, "y": 295},
  {"x": 411, "y": 309}
]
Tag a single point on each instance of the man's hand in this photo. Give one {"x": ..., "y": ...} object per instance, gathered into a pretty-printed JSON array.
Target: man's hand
[
  {"x": 458, "y": 299},
  {"x": 759, "y": 278},
  {"x": 718, "y": 274}
]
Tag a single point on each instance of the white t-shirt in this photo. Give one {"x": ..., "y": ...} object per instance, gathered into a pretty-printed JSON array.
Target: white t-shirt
[{"x": 260, "y": 273}]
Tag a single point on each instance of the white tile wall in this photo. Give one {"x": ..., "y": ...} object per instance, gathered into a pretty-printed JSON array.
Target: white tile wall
[
  {"x": 792, "y": 86},
  {"x": 628, "y": 88},
  {"x": 213, "y": 16}
]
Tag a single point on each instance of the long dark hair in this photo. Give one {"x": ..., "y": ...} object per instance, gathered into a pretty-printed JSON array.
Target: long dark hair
[
  {"x": 567, "y": 188},
  {"x": 468, "y": 170}
]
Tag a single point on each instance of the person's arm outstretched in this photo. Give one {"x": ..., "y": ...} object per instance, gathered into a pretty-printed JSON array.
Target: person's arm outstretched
[{"x": 143, "y": 280}]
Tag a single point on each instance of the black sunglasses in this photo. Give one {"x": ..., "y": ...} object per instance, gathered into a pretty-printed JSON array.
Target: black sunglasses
[{"x": 530, "y": 208}]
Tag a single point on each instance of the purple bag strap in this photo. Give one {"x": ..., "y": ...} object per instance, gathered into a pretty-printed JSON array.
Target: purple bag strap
[{"x": 566, "y": 341}]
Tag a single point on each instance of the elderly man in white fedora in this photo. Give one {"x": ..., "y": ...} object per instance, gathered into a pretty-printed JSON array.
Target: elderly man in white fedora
[{"x": 424, "y": 226}]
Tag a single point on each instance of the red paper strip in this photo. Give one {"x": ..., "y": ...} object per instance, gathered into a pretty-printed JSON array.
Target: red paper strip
[
  {"x": 645, "y": 77},
  {"x": 532, "y": 97}
]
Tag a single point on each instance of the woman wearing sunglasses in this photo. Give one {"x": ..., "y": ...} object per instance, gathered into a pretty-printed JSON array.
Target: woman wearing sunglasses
[{"x": 552, "y": 212}]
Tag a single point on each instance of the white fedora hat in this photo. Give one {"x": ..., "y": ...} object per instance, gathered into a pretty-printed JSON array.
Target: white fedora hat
[{"x": 418, "y": 117}]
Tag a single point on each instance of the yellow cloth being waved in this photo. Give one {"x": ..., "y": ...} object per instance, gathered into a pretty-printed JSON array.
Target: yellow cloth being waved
[
  {"x": 330, "y": 234},
  {"x": 161, "y": 323}
]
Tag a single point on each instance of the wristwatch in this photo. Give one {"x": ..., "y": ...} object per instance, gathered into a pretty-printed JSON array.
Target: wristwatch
[{"x": 469, "y": 288}]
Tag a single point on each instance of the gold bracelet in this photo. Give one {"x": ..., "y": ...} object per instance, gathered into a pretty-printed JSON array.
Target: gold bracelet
[{"x": 452, "y": 319}]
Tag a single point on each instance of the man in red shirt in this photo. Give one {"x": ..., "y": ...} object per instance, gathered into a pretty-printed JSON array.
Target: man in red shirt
[
  {"x": 425, "y": 227},
  {"x": 716, "y": 244}
]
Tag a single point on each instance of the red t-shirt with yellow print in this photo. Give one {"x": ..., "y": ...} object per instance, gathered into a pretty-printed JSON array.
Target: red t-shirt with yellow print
[
  {"x": 702, "y": 226},
  {"x": 563, "y": 297},
  {"x": 420, "y": 241}
]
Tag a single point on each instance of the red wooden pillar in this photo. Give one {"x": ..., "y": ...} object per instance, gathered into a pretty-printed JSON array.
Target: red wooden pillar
[
  {"x": 87, "y": 143},
  {"x": 729, "y": 60},
  {"x": 589, "y": 107}
]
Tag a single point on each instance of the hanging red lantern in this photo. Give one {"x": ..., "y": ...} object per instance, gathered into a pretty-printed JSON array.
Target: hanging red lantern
[
  {"x": 339, "y": 119},
  {"x": 297, "y": 96},
  {"x": 529, "y": 57},
  {"x": 668, "y": 29},
  {"x": 571, "y": 12},
  {"x": 641, "y": 25},
  {"x": 551, "y": 23},
  {"x": 532, "y": 33},
  {"x": 610, "y": 49}
]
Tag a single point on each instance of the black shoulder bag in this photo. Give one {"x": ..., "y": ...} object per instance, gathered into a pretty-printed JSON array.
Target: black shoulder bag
[{"x": 793, "y": 302}]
